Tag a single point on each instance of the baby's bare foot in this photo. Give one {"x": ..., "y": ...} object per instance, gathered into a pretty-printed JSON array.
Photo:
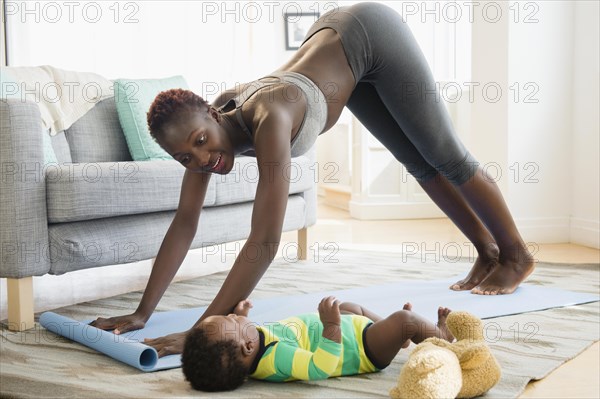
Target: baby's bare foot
[
  {"x": 407, "y": 306},
  {"x": 442, "y": 315}
]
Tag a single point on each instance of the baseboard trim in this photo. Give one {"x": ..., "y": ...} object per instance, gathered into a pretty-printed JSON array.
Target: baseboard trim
[
  {"x": 548, "y": 230},
  {"x": 544, "y": 230},
  {"x": 387, "y": 211},
  {"x": 585, "y": 232},
  {"x": 337, "y": 196}
]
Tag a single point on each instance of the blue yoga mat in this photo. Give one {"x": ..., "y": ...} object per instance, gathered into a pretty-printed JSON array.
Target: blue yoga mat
[{"x": 425, "y": 296}]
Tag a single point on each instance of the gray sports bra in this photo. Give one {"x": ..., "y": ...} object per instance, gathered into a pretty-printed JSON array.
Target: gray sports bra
[{"x": 314, "y": 119}]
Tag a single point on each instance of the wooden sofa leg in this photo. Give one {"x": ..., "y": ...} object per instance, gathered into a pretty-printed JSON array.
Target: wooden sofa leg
[
  {"x": 20, "y": 303},
  {"x": 303, "y": 243}
]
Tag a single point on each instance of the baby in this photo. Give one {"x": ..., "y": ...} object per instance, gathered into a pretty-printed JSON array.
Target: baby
[{"x": 342, "y": 339}]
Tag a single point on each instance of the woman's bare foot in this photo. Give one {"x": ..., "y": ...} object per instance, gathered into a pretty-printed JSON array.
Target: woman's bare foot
[
  {"x": 407, "y": 306},
  {"x": 484, "y": 264},
  {"x": 514, "y": 267},
  {"x": 441, "y": 324}
]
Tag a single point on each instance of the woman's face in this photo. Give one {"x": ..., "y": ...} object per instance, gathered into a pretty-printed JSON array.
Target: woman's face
[{"x": 198, "y": 142}]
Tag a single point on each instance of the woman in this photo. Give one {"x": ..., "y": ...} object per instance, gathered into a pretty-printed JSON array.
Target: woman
[{"x": 363, "y": 57}]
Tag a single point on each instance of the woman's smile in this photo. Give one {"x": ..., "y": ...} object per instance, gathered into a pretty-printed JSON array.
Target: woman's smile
[{"x": 218, "y": 165}]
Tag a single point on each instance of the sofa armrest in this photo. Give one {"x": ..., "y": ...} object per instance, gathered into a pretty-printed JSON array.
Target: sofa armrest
[{"x": 24, "y": 249}]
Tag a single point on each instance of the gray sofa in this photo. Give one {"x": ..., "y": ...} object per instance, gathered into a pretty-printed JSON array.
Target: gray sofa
[{"x": 97, "y": 207}]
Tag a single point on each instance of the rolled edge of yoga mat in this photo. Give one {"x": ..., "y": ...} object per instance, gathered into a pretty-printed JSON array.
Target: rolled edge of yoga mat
[{"x": 138, "y": 355}]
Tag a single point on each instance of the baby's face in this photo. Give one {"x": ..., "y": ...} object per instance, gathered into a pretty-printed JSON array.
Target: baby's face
[{"x": 230, "y": 327}]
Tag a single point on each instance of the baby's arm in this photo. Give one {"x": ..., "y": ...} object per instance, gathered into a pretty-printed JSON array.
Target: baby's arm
[
  {"x": 353, "y": 308},
  {"x": 329, "y": 313}
]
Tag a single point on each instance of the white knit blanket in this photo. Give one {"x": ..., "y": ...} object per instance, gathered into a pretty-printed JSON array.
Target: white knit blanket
[{"x": 62, "y": 96}]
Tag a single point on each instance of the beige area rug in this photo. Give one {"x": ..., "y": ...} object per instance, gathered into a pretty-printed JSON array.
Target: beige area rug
[{"x": 528, "y": 346}]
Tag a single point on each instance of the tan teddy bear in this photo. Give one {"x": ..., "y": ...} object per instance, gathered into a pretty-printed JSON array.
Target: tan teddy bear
[
  {"x": 431, "y": 372},
  {"x": 479, "y": 368}
]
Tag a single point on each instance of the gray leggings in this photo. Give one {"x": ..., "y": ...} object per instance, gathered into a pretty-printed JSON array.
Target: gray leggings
[{"x": 395, "y": 97}]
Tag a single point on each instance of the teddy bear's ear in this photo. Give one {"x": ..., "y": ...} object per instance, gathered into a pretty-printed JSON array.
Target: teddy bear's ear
[
  {"x": 432, "y": 372},
  {"x": 423, "y": 363},
  {"x": 438, "y": 342},
  {"x": 429, "y": 359},
  {"x": 473, "y": 356},
  {"x": 465, "y": 326}
]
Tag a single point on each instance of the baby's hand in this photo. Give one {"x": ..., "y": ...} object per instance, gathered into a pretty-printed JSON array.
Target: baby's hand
[
  {"x": 243, "y": 308},
  {"x": 329, "y": 313}
]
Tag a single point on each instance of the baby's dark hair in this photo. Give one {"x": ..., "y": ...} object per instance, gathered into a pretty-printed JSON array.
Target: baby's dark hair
[
  {"x": 212, "y": 365},
  {"x": 168, "y": 104}
]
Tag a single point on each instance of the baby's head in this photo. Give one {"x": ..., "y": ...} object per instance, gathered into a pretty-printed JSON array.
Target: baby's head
[{"x": 219, "y": 352}]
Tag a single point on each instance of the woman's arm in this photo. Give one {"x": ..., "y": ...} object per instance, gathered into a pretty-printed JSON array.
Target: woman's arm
[
  {"x": 272, "y": 135},
  {"x": 171, "y": 254},
  {"x": 273, "y": 155},
  {"x": 177, "y": 241}
]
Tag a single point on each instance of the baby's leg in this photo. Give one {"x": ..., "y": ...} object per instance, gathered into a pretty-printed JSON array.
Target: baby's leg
[
  {"x": 386, "y": 337},
  {"x": 353, "y": 308}
]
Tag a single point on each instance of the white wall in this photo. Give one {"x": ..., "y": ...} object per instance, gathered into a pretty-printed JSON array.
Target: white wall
[
  {"x": 212, "y": 44},
  {"x": 544, "y": 142},
  {"x": 585, "y": 145},
  {"x": 2, "y": 39},
  {"x": 489, "y": 69},
  {"x": 539, "y": 133},
  {"x": 218, "y": 44},
  {"x": 554, "y": 142}
]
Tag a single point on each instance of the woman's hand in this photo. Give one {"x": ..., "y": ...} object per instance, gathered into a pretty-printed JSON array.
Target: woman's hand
[
  {"x": 120, "y": 324},
  {"x": 243, "y": 307},
  {"x": 329, "y": 313},
  {"x": 169, "y": 344}
]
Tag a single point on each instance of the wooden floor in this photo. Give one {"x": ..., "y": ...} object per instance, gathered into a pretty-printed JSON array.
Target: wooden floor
[{"x": 578, "y": 378}]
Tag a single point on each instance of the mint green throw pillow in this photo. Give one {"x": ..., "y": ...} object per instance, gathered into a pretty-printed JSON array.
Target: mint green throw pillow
[
  {"x": 10, "y": 88},
  {"x": 133, "y": 98},
  {"x": 49, "y": 155}
]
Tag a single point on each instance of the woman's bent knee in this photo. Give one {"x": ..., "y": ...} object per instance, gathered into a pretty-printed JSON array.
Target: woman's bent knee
[{"x": 459, "y": 171}]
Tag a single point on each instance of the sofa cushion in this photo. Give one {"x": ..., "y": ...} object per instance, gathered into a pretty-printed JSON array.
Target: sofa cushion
[
  {"x": 133, "y": 98},
  {"x": 60, "y": 146},
  {"x": 240, "y": 184},
  {"x": 83, "y": 191},
  {"x": 97, "y": 136},
  {"x": 126, "y": 239}
]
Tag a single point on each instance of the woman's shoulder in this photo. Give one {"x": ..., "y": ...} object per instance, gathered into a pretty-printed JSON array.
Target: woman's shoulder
[
  {"x": 228, "y": 94},
  {"x": 258, "y": 89}
]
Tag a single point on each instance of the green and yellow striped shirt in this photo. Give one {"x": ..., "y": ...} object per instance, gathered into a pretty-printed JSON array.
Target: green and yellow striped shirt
[{"x": 294, "y": 349}]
